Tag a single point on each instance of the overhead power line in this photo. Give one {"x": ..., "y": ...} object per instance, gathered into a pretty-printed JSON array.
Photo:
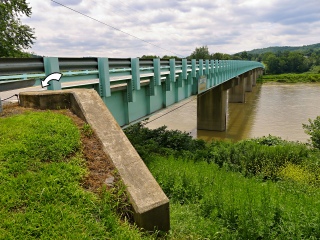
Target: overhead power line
[{"x": 117, "y": 29}]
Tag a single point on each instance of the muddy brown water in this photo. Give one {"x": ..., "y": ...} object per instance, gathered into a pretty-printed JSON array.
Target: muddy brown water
[{"x": 272, "y": 108}]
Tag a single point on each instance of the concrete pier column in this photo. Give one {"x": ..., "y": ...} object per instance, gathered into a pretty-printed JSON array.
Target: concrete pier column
[
  {"x": 237, "y": 93},
  {"x": 212, "y": 109},
  {"x": 249, "y": 81},
  {"x": 254, "y": 77}
]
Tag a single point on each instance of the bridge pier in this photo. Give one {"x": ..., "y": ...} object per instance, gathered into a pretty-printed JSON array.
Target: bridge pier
[
  {"x": 212, "y": 109},
  {"x": 237, "y": 93},
  {"x": 254, "y": 77},
  {"x": 249, "y": 81}
]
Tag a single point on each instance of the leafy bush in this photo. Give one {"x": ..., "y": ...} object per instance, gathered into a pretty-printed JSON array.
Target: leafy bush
[
  {"x": 313, "y": 129},
  {"x": 162, "y": 141},
  {"x": 297, "y": 173},
  {"x": 261, "y": 156}
]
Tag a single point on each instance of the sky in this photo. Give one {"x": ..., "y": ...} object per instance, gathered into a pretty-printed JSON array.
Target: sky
[{"x": 132, "y": 28}]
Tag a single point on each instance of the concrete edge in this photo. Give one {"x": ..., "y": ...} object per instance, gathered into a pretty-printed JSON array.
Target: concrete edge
[{"x": 150, "y": 204}]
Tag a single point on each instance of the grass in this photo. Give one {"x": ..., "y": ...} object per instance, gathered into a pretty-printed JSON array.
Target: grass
[
  {"x": 291, "y": 78},
  {"x": 264, "y": 188},
  {"x": 211, "y": 202},
  {"x": 41, "y": 172}
]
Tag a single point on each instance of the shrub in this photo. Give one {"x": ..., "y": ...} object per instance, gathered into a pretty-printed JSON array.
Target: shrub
[{"x": 313, "y": 129}]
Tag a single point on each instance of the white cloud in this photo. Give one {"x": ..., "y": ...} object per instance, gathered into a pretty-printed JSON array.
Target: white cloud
[{"x": 180, "y": 26}]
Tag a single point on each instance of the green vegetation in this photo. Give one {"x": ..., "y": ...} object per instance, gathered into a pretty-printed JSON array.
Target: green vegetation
[
  {"x": 313, "y": 129},
  {"x": 264, "y": 188},
  {"x": 41, "y": 171},
  {"x": 291, "y": 78},
  {"x": 15, "y": 36},
  {"x": 276, "y": 49}
]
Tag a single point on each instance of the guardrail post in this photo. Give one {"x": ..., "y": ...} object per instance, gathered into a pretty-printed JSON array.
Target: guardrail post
[
  {"x": 134, "y": 83},
  {"x": 218, "y": 71},
  {"x": 104, "y": 77},
  {"x": 200, "y": 67},
  {"x": 172, "y": 70},
  {"x": 184, "y": 69},
  {"x": 135, "y": 72},
  {"x": 51, "y": 65},
  {"x": 207, "y": 71},
  {"x": 194, "y": 68},
  {"x": 195, "y": 74},
  {"x": 212, "y": 73},
  {"x": 0, "y": 105},
  {"x": 157, "y": 73}
]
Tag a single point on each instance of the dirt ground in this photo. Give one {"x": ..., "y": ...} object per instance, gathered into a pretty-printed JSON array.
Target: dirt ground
[{"x": 101, "y": 169}]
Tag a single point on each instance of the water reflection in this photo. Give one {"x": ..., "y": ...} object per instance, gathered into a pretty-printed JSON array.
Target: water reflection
[{"x": 276, "y": 109}]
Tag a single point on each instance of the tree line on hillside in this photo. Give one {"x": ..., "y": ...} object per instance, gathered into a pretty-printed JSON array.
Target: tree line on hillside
[{"x": 276, "y": 62}]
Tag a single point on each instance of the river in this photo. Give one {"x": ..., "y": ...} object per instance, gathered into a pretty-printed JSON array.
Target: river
[{"x": 271, "y": 108}]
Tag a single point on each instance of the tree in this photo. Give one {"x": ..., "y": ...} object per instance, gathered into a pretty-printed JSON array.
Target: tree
[
  {"x": 170, "y": 57},
  {"x": 149, "y": 57},
  {"x": 313, "y": 129},
  {"x": 200, "y": 53},
  {"x": 15, "y": 36}
]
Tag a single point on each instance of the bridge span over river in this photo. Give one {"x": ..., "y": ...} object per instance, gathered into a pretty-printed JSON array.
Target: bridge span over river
[
  {"x": 131, "y": 89},
  {"x": 134, "y": 88}
]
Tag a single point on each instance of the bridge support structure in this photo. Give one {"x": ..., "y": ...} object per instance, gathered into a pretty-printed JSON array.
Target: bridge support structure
[
  {"x": 249, "y": 81},
  {"x": 237, "y": 93},
  {"x": 212, "y": 104},
  {"x": 212, "y": 109}
]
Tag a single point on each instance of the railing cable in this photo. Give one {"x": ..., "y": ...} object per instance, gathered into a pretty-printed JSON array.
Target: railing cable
[{"x": 15, "y": 95}]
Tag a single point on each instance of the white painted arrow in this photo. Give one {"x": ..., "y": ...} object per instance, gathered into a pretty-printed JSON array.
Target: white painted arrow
[{"x": 52, "y": 76}]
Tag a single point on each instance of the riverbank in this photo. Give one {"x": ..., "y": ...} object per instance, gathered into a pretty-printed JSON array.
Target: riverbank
[
  {"x": 291, "y": 78},
  {"x": 264, "y": 188},
  {"x": 53, "y": 172}
]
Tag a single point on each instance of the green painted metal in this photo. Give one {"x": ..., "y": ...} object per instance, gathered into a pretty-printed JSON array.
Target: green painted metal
[
  {"x": 132, "y": 92},
  {"x": 184, "y": 69},
  {"x": 104, "y": 77},
  {"x": 172, "y": 70},
  {"x": 51, "y": 65},
  {"x": 157, "y": 71},
  {"x": 135, "y": 72},
  {"x": 200, "y": 67}
]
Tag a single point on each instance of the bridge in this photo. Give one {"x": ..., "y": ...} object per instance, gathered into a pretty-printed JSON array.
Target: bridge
[
  {"x": 131, "y": 89},
  {"x": 134, "y": 88}
]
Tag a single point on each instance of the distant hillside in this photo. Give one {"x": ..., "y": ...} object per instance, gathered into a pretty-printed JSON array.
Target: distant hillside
[{"x": 276, "y": 49}]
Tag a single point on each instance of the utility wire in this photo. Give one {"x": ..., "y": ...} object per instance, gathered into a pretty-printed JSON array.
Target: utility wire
[
  {"x": 198, "y": 96},
  {"x": 15, "y": 95},
  {"x": 117, "y": 29},
  {"x": 169, "y": 111}
]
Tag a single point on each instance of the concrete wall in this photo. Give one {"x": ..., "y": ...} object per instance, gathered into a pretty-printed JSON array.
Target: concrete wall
[{"x": 150, "y": 204}]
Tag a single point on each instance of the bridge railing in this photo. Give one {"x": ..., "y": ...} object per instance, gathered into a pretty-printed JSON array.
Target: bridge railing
[
  {"x": 21, "y": 72},
  {"x": 132, "y": 88}
]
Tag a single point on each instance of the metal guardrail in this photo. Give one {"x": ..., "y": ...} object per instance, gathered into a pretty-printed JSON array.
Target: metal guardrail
[
  {"x": 21, "y": 72},
  {"x": 131, "y": 88}
]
